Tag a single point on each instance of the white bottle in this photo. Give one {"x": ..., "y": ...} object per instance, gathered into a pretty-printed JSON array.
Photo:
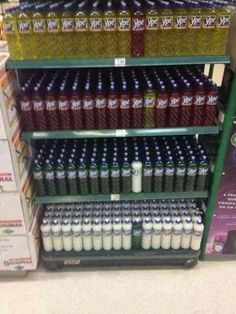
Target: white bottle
[
  {"x": 87, "y": 235},
  {"x": 117, "y": 234},
  {"x": 97, "y": 234},
  {"x": 197, "y": 234},
  {"x": 187, "y": 233},
  {"x": 107, "y": 235},
  {"x": 196, "y": 217},
  {"x": 67, "y": 235},
  {"x": 57, "y": 235},
  {"x": 176, "y": 234},
  {"x": 77, "y": 235},
  {"x": 127, "y": 234},
  {"x": 136, "y": 175},
  {"x": 46, "y": 235},
  {"x": 147, "y": 234},
  {"x": 156, "y": 233},
  {"x": 166, "y": 234}
]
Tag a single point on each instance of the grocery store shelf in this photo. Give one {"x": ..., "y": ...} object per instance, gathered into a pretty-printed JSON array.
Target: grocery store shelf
[
  {"x": 111, "y": 62},
  {"x": 119, "y": 133},
  {"x": 119, "y": 197},
  {"x": 185, "y": 258}
]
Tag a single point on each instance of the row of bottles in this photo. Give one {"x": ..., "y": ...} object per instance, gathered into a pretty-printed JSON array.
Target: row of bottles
[
  {"x": 128, "y": 225},
  {"x": 111, "y": 28},
  {"x": 118, "y": 98},
  {"x": 120, "y": 166}
]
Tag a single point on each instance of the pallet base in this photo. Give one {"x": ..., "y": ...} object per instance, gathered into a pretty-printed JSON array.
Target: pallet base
[{"x": 185, "y": 258}]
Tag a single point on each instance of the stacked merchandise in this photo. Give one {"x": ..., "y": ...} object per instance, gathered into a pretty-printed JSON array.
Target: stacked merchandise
[
  {"x": 123, "y": 225},
  {"x": 124, "y": 98},
  {"x": 106, "y": 28},
  {"x": 18, "y": 217}
]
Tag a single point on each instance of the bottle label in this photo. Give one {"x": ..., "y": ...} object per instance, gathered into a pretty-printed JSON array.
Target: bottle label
[
  {"x": 147, "y": 231},
  {"x": 156, "y": 232},
  {"x": 138, "y": 24},
  {"x": 100, "y": 102},
  {"x": 63, "y": 105},
  {"x": 88, "y": 104},
  {"x": 76, "y": 104},
  {"x": 158, "y": 172},
  {"x": 117, "y": 232},
  {"x": 186, "y": 101},
  {"x": 169, "y": 171},
  {"x": 95, "y": 24},
  {"x": 211, "y": 100},
  {"x": 38, "y": 105},
  {"x": 87, "y": 233},
  {"x": 166, "y": 22},
  {"x": 191, "y": 172},
  {"x": 199, "y": 100},
  {"x": 202, "y": 171},
  {"x": 180, "y": 171},
  {"x": 223, "y": 21},
  {"x": 174, "y": 101},
  {"x": 127, "y": 232},
  {"x": 66, "y": 234},
  {"x": 148, "y": 172},
  {"x": 97, "y": 233},
  {"x": 81, "y": 24},
  {"x": 149, "y": 101},
  {"x": 53, "y": 25},
  {"x": 137, "y": 102},
  {"x": 187, "y": 232},
  {"x": 9, "y": 27},
  {"x": 60, "y": 174},
  {"x": 24, "y": 26},
  {"x": 56, "y": 234},
  {"x": 126, "y": 172},
  {"x": 209, "y": 22},
  {"x": 109, "y": 24},
  {"x": 167, "y": 232},
  {"x": 161, "y": 102},
  {"x": 25, "y": 106},
  {"x": 197, "y": 233},
  {"x": 67, "y": 25},
  {"x": 46, "y": 234},
  {"x": 93, "y": 173},
  {"x": 195, "y": 21},
  {"x": 113, "y": 103},
  {"x": 152, "y": 23},
  {"x": 124, "y": 24},
  {"x": 51, "y": 105},
  {"x": 124, "y": 102},
  {"x": 82, "y": 174},
  {"x": 177, "y": 232},
  {"x": 115, "y": 173},
  {"x": 49, "y": 175},
  {"x": 38, "y": 175},
  {"x": 137, "y": 232},
  {"x": 39, "y": 26},
  {"x": 71, "y": 174},
  {"x": 107, "y": 233},
  {"x": 104, "y": 173},
  {"x": 77, "y": 234},
  {"x": 181, "y": 22}
]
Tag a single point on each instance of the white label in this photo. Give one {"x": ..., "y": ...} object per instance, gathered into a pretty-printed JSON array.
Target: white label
[
  {"x": 120, "y": 62},
  {"x": 121, "y": 133},
  {"x": 115, "y": 197}
]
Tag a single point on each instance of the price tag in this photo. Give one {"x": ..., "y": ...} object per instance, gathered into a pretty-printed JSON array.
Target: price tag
[
  {"x": 72, "y": 262},
  {"x": 120, "y": 62},
  {"x": 115, "y": 197},
  {"x": 121, "y": 133}
]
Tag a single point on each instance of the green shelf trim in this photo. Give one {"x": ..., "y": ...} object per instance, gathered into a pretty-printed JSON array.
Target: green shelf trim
[
  {"x": 119, "y": 197},
  {"x": 110, "y": 62},
  {"x": 119, "y": 133}
]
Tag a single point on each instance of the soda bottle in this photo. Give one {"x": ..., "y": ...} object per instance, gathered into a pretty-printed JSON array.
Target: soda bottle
[
  {"x": 39, "y": 32},
  {"x": 202, "y": 173},
  {"x": 104, "y": 177},
  {"x": 123, "y": 30},
  {"x": 113, "y": 106},
  {"x": 166, "y": 29},
  {"x": 109, "y": 30},
  {"x": 180, "y": 174},
  {"x": 149, "y": 106},
  {"x": 208, "y": 28},
  {"x": 26, "y": 108},
  {"x": 138, "y": 30},
  {"x": 211, "y": 110},
  {"x": 51, "y": 109},
  {"x": 126, "y": 176},
  {"x": 194, "y": 29},
  {"x": 199, "y": 98},
  {"x": 158, "y": 174},
  {"x": 71, "y": 175},
  {"x": 39, "y": 108},
  {"x": 186, "y": 105},
  {"x": 93, "y": 177},
  {"x": 125, "y": 106},
  {"x": 83, "y": 178},
  {"x": 60, "y": 177},
  {"x": 180, "y": 28},
  {"x": 161, "y": 107},
  {"x": 174, "y": 105},
  {"x": 101, "y": 106},
  {"x": 137, "y": 104},
  {"x": 147, "y": 175},
  {"x": 137, "y": 234},
  {"x": 88, "y": 108},
  {"x": 191, "y": 173},
  {"x": 81, "y": 30},
  {"x": 152, "y": 30},
  {"x": 115, "y": 177},
  {"x": 96, "y": 41},
  {"x": 76, "y": 109},
  {"x": 26, "y": 33},
  {"x": 49, "y": 177},
  {"x": 222, "y": 27},
  {"x": 67, "y": 31},
  {"x": 38, "y": 178},
  {"x": 169, "y": 173},
  {"x": 64, "y": 109}
]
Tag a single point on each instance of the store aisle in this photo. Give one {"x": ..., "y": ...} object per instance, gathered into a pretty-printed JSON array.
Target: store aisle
[{"x": 208, "y": 288}]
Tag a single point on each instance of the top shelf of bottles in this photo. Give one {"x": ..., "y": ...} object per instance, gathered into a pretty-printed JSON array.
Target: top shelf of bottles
[{"x": 115, "y": 62}]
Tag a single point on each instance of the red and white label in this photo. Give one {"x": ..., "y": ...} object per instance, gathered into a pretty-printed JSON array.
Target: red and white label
[
  {"x": 25, "y": 106},
  {"x": 199, "y": 100},
  {"x": 137, "y": 102},
  {"x": 63, "y": 105},
  {"x": 138, "y": 25},
  {"x": 38, "y": 105},
  {"x": 113, "y": 102},
  {"x": 161, "y": 102},
  {"x": 100, "y": 102},
  {"x": 186, "y": 100},
  {"x": 211, "y": 100},
  {"x": 124, "y": 102},
  {"x": 88, "y": 103},
  {"x": 174, "y": 101},
  {"x": 51, "y": 105}
]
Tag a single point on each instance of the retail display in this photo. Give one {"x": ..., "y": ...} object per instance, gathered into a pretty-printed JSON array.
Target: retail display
[{"x": 116, "y": 28}]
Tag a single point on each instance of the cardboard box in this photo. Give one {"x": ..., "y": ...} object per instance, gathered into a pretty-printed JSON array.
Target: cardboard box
[
  {"x": 17, "y": 210},
  {"x": 21, "y": 252}
]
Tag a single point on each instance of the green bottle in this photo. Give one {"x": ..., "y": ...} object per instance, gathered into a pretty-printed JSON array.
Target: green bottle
[
  {"x": 60, "y": 177},
  {"x": 158, "y": 175},
  {"x": 147, "y": 175},
  {"x": 93, "y": 177},
  {"x": 202, "y": 173},
  {"x": 38, "y": 178},
  {"x": 180, "y": 174},
  {"x": 49, "y": 177},
  {"x": 83, "y": 178},
  {"x": 72, "y": 177},
  {"x": 137, "y": 234},
  {"x": 126, "y": 176},
  {"x": 191, "y": 174},
  {"x": 104, "y": 177},
  {"x": 169, "y": 173},
  {"x": 115, "y": 177}
]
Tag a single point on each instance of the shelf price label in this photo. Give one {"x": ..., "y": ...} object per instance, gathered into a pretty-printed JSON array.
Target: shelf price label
[
  {"x": 121, "y": 133},
  {"x": 115, "y": 197},
  {"x": 120, "y": 62},
  {"x": 72, "y": 262}
]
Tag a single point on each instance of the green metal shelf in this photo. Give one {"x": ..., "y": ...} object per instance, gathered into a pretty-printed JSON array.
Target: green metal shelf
[
  {"x": 119, "y": 133},
  {"x": 111, "y": 62},
  {"x": 119, "y": 197}
]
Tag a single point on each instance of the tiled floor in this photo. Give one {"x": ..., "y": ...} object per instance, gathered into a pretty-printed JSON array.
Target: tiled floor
[{"x": 210, "y": 287}]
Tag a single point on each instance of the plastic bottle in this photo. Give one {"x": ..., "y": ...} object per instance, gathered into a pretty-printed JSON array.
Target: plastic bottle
[
  {"x": 71, "y": 176},
  {"x": 67, "y": 236},
  {"x": 56, "y": 235},
  {"x": 117, "y": 234},
  {"x": 60, "y": 175},
  {"x": 147, "y": 175},
  {"x": 180, "y": 173},
  {"x": 174, "y": 105},
  {"x": 186, "y": 105},
  {"x": 26, "y": 33},
  {"x": 81, "y": 35},
  {"x": 137, "y": 234},
  {"x": 64, "y": 109},
  {"x": 166, "y": 28},
  {"x": 93, "y": 177},
  {"x": 127, "y": 234},
  {"x": 199, "y": 99},
  {"x": 161, "y": 107},
  {"x": 202, "y": 173},
  {"x": 49, "y": 177},
  {"x": 126, "y": 176},
  {"x": 104, "y": 177},
  {"x": 137, "y": 104},
  {"x": 39, "y": 109},
  {"x": 166, "y": 234},
  {"x": 115, "y": 176},
  {"x": 83, "y": 178},
  {"x": 97, "y": 235},
  {"x": 197, "y": 234},
  {"x": 211, "y": 110},
  {"x": 67, "y": 30},
  {"x": 169, "y": 173},
  {"x": 138, "y": 30},
  {"x": 46, "y": 235},
  {"x": 109, "y": 30},
  {"x": 137, "y": 175},
  {"x": 101, "y": 105},
  {"x": 222, "y": 27},
  {"x": 147, "y": 234},
  {"x": 180, "y": 28},
  {"x": 39, "y": 32},
  {"x": 156, "y": 234},
  {"x": 77, "y": 235},
  {"x": 51, "y": 109},
  {"x": 87, "y": 235},
  {"x": 88, "y": 107},
  {"x": 123, "y": 29},
  {"x": 191, "y": 174},
  {"x": 38, "y": 178},
  {"x": 107, "y": 235},
  {"x": 125, "y": 107},
  {"x": 95, "y": 35},
  {"x": 158, "y": 175},
  {"x": 149, "y": 106},
  {"x": 76, "y": 109},
  {"x": 151, "y": 30},
  {"x": 26, "y": 108},
  {"x": 195, "y": 21},
  {"x": 54, "y": 44},
  {"x": 208, "y": 46},
  {"x": 112, "y": 107},
  {"x": 187, "y": 233},
  {"x": 176, "y": 234}
]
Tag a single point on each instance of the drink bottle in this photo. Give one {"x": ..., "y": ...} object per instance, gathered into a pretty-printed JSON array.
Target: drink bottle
[
  {"x": 109, "y": 30},
  {"x": 147, "y": 234},
  {"x": 199, "y": 98},
  {"x": 56, "y": 235},
  {"x": 26, "y": 108},
  {"x": 39, "y": 109},
  {"x": 26, "y": 33},
  {"x": 104, "y": 177},
  {"x": 39, "y": 32},
  {"x": 125, "y": 107},
  {"x": 38, "y": 178},
  {"x": 223, "y": 16},
  {"x": 51, "y": 109},
  {"x": 191, "y": 174},
  {"x": 77, "y": 235},
  {"x": 87, "y": 235},
  {"x": 180, "y": 28},
  {"x": 186, "y": 234},
  {"x": 137, "y": 234},
  {"x": 107, "y": 234},
  {"x": 71, "y": 176},
  {"x": 176, "y": 234},
  {"x": 49, "y": 177},
  {"x": 117, "y": 234},
  {"x": 97, "y": 235},
  {"x": 169, "y": 173},
  {"x": 136, "y": 175},
  {"x": 126, "y": 176},
  {"x": 166, "y": 28},
  {"x": 137, "y": 30},
  {"x": 180, "y": 173},
  {"x": 101, "y": 106},
  {"x": 149, "y": 106},
  {"x": 46, "y": 235},
  {"x": 208, "y": 28},
  {"x": 156, "y": 233},
  {"x": 174, "y": 105},
  {"x": 60, "y": 177},
  {"x": 158, "y": 174},
  {"x": 53, "y": 38},
  {"x": 93, "y": 177},
  {"x": 137, "y": 103},
  {"x": 161, "y": 107},
  {"x": 197, "y": 234},
  {"x": 64, "y": 109},
  {"x": 202, "y": 173},
  {"x": 115, "y": 176},
  {"x": 211, "y": 110},
  {"x": 67, "y": 35},
  {"x": 186, "y": 105},
  {"x": 151, "y": 30},
  {"x": 127, "y": 234},
  {"x": 166, "y": 234},
  {"x": 76, "y": 111},
  {"x": 195, "y": 20},
  {"x": 88, "y": 108},
  {"x": 112, "y": 107},
  {"x": 147, "y": 175},
  {"x": 67, "y": 235},
  {"x": 95, "y": 35},
  {"x": 81, "y": 35},
  {"x": 12, "y": 35},
  {"x": 123, "y": 29}
]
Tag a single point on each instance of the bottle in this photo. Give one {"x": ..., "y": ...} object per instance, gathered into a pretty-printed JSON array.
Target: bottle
[
  {"x": 211, "y": 110},
  {"x": 54, "y": 44},
  {"x": 26, "y": 33},
  {"x": 60, "y": 174},
  {"x": 137, "y": 104},
  {"x": 222, "y": 27},
  {"x": 93, "y": 177},
  {"x": 208, "y": 28},
  {"x": 174, "y": 105},
  {"x": 87, "y": 235},
  {"x": 151, "y": 30},
  {"x": 81, "y": 35},
  {"x": 136, "y": 175},
  {"x": 109, "y": 30},
  {"x": 107, "y": 235},
  {"x": 75, "y": 109},
  {"x": 125, "y": 107},
  {"x": 197, "y": 234},
  {"x": 77, "y": 235},
  {"x": 202, "y": 173},
  {"x": 156, "y": 234},
  {"x": 147, "y": 234},
  {"x": 115, "y": 176},
  {"x": 191, "y": 174},
  {"x": 180, "y": 173},
  {"x": 51, "y": 109},
  {"x": 147, "y": 176},
  {"x": 149, "y": 106},
  {"x": 64, "y": 109},
  {"x": 39, "y": 32},
  {"x": 104, "y": 177},
  {"x": 117, "y": 234},
  {"x": 127, "y": 234},
  {"x": 83, "y": 178},
  {"x": 97, "y": 235},
  {"x": 138, "y": 30},
  {"x": 126, "y": 176},
  {"x": 123, "y": 29},
  {"x": 38, "y": 178},
  {"x": 186, "y": 105},
  {"x": 49, "y": 177},
  {"x": 112, "y": 107},
  {"x": 46, "y": 235},
  {"x": 180, "y": 28},
  {"x": 199, "y": 99},
  {"x": 187, "y": 233},
  {"x": 26, "y": 108},
  {"x": 195, "y": 21},
  {"x": 161, "y": 107},
  {"x": 169, "y": 173},
  {"x": 176, "y": 234},
  {"x": 158, "y": 175},
  {"x": 88, "y": 107},
  {"x": 67, "y": 236},
  {"x": 71, "y": 176},
  {"x": 166, "y": 28},
  {"x": 56, "y": 235},
  {"x": 166, "y": 234},
  {"x": 95, "y": 35},
  {"x": 39, "y": 109},
  {"x": 137, "y": 234},
  {"x": 67, "y": 30}
]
